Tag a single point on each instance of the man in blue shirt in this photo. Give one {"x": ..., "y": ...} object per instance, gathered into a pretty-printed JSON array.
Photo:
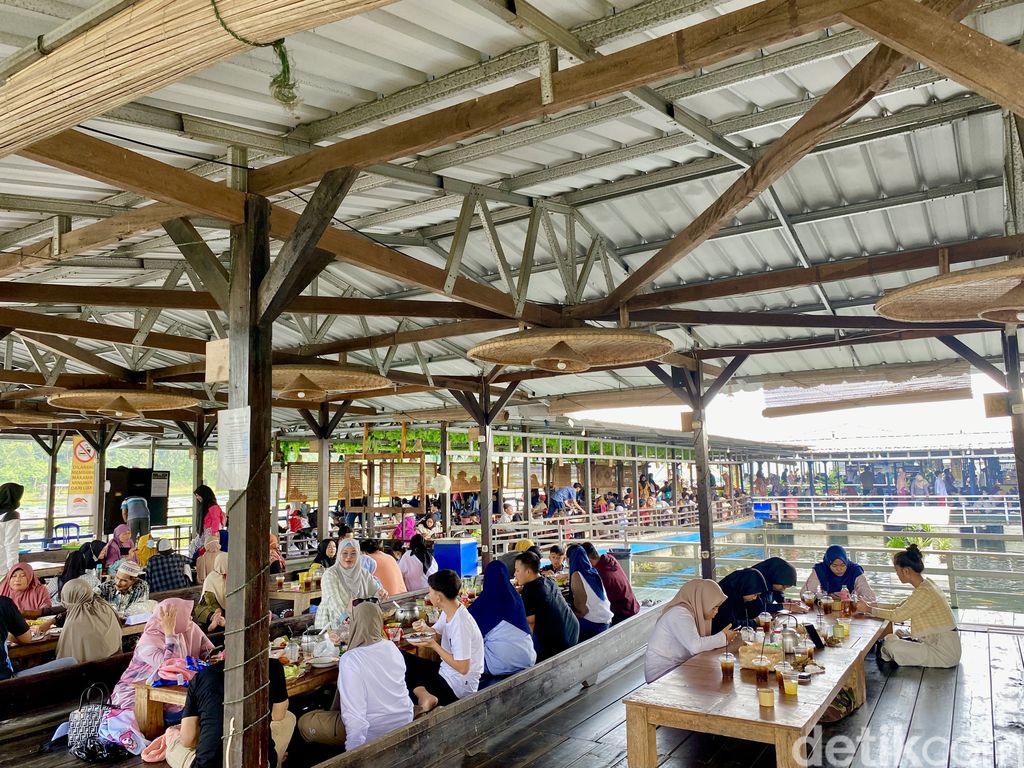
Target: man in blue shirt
[
  {"x": 564, "y": 500},
  {"x": 135, "y": 512}
]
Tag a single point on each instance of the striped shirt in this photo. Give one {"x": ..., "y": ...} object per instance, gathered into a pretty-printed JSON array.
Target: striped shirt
[{"x": 926, "y": 609}]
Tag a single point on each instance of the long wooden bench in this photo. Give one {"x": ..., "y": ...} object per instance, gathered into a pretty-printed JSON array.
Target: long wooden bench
[{"x": 443, "y": 733}]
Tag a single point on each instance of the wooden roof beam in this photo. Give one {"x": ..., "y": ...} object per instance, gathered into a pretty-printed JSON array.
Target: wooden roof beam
[
  {"x": 143, "y": 48},
  {"x": 857, "y": 88},
  {"x": 832, "y": 271},
  {"x": 77, "y": 153},
  {"x": 825, "y": 342},
  {"x": 162, "y": 298},
  {"x": 984, "y": 65}
]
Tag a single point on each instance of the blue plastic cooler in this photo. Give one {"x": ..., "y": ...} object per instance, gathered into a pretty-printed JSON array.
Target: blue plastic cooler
[{"x": 458, "y": 555}]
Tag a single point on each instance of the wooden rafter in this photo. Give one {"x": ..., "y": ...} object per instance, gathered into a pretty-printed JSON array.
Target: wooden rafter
[
  {"x": 857, "y": 88},
  {"x": 823, "y": 342},
  {"x": 845, "y": 269},
  {"x": 430, "y": 333},
  {"x": 669, "y": 56},
  {"x": 967, "y": 56},
  {"x": 142, "y": 49},
  {"x": 65, "y": 326},
  {"x": 63, "y": 346},
  {"x": 162, "y": 298},
  {"x": 85, "y": 155}
]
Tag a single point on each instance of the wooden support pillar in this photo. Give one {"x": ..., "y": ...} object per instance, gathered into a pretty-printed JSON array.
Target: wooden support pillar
[
  {"x": 152, "y": 453},
  {"x": 635, "y": 474},
  {"x": 527, "y": 491},
  {"x": 588, "y": 487},
  {"x": 246, "y": 701},
  {"x": 692, "y": 383},
  {"x": 369, "y": 511},
  {"x": 445, "y": 499},
  {"x": 1011, "y": 361},
  {"x": 51, "y": 447},
  {"x": 675, "y": 485},
  {"x": 323, "y": 498},
  {"x": 99, "y": 442},
  {"x": 486, "y": 457}
]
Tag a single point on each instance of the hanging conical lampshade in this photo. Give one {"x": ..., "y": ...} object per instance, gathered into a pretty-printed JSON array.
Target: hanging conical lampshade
[
  {"x": 119, "y": 408},
  {"x": 561, "y": 358},
  {"x": 994, "y": 293},
  {"x": 139, "y": 401},
  {"x": 303, "y": 388},
  {"x": 572, "y": 350}
]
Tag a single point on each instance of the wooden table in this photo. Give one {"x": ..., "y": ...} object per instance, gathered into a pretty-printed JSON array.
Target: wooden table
[
  {"x": 49, "y": 644},
  {"x": 300, "y": 600},
  {"x": 695, "y": 698},
  {"x": 149, "y": 701},
  {"x": 46, "y": 570}
]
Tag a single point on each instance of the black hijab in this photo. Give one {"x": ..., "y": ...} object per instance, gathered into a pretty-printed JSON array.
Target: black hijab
[
  {"x": 775, "y": 570},
  {"x": 735, "y": 610},
  {"x": 10, "y": 500},
  {"x": 321, "y": 553},
  {"x": 80, "y": 562}
]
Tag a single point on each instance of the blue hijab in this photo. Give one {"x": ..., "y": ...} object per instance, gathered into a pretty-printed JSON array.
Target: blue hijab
[
  {"x": 580, "y": 563},
  {"x": 829, "y": 581},
  {"x": 498, "y": 601}
]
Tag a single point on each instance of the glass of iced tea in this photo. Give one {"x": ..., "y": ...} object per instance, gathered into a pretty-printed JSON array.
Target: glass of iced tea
[
  {"x": 728, "y": 664},
  {"x": 762, "y": 666},
  {"x": 780, "y": 672},
  {"x": 826, "y": 605},
  {"x": 808, "y": 598}
]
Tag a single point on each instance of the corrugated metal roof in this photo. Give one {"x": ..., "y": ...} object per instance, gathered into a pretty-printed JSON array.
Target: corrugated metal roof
[{"x": 906, "y": 188}]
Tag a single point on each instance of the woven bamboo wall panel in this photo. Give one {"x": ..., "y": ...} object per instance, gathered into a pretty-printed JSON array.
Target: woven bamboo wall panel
[
  {"x": 514, "y": 475},
  {"x": 400, "y": 478},
  {"x": 303, "y": 481},
  {"x": 465, "y": 476}
]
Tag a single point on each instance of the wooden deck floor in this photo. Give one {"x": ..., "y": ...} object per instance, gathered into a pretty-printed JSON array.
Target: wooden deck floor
[{"x": 968, "y": 717}]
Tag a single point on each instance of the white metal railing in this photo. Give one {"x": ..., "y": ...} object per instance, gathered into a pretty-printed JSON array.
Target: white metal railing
[
  {"x": 962, "y": 510},
  {"x": 977, "y": 570}
]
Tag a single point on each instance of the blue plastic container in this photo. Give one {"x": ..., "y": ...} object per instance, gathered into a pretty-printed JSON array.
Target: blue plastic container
[{"x": 458, "y": 555}]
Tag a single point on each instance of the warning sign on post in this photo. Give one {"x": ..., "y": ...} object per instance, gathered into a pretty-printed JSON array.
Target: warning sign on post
[{"x": 82, "y": 479}]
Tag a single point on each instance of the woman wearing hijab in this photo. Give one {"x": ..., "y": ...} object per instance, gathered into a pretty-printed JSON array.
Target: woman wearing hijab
[
  {"x": 371, "y": 687},
  {"x": 10, "y": 524},
  {"x": 277, "y": 561},
  {"x": 589, "y": 601},
  {"x": 170, "y": 633},
  {"x": 778, "y": 577},
  {"x": 417, "y": 564},
  {"x": 209, "y": 510},
  {"x": 836, "y": 572},
  {"x": 428, "y": 527},
  {"x": 205, "y": 561},
  {"x": 326, "y": 553},
  {"x": 80, "y": 562},
  {"x": 121, "y": 547},
  {"x": 92, "y": 630},
  {"x": 684, "y": 628},
  {"x": 745, "y": 591},
  {"x": 29, "y": 595},
  {"x": 209, "y": 611},
  {"x": 344, "y": 582},
  {"x": 501, "y": 616}
]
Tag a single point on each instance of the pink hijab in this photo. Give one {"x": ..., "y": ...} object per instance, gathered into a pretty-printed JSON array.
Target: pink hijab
[
  {"x": 698, "y": 596},
  {"x": 35, "y": 598},
  {"x": 191, "y": 640}
]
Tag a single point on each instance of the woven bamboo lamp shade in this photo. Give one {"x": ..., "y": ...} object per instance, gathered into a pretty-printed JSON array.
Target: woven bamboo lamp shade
[
  {"x": 572, "y": 350},
  {"x": 994, "y": 293},
  {"x": 121, "y": 404},
  {"x": 314, "y": 383},
  {"x": 14, "y": 418}
]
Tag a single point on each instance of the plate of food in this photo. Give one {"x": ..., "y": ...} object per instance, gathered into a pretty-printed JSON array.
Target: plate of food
[
  {"x": 323, "y": 662},
  {"x": 419, "y": 638}
]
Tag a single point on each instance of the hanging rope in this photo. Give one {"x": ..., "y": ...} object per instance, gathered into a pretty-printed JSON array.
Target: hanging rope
[{"x": 282, "y": 85}]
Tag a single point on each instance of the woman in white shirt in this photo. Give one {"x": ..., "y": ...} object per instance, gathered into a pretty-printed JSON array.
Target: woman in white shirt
[
  {"x": 371, "y": 687},
  {"x": 501, "y": 616},
  {"x": 417, "y": 564},
  {"x": 456, "y": 638},
  {"x": 589, "y": 602},
  {"x": 684, "y": 628}
]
